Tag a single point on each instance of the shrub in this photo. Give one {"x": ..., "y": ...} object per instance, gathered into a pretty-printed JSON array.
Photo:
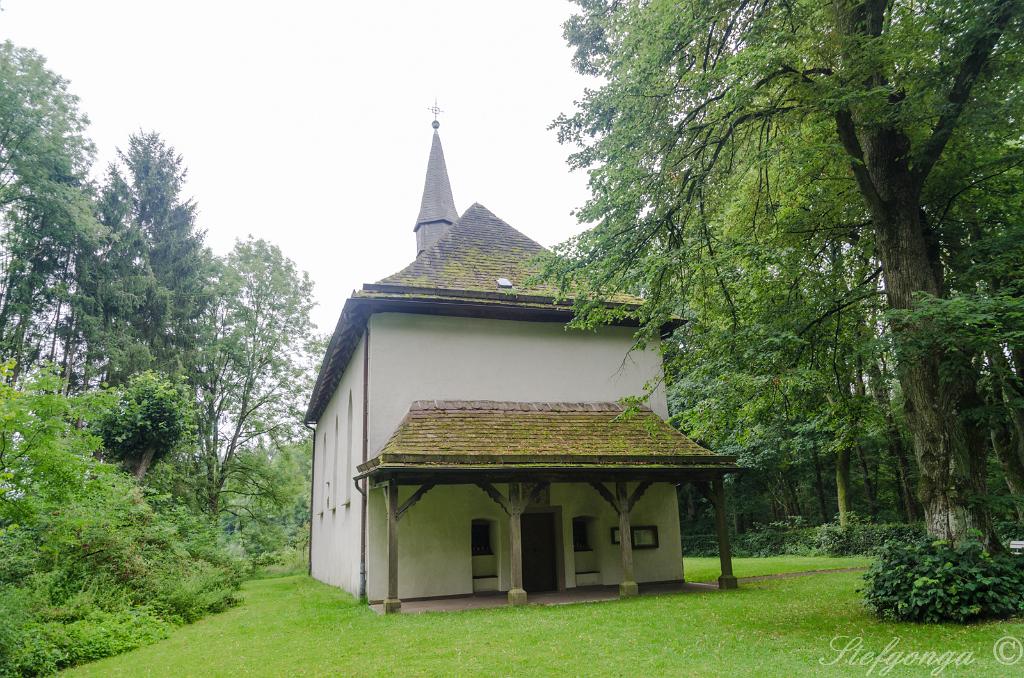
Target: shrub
[
  {"x": 863, "y": 538},
  {"x": 937, "y": 582},
  {"x": 792, "y": 539},
  {"x": 105, "y": 574},
  {"x": 90, "y": 566}
]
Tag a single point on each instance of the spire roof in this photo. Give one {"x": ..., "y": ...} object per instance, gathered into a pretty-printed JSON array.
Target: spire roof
[{"x": 437, "y": 204}]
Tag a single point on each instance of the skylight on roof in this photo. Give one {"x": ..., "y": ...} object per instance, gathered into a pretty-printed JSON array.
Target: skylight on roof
[{"x": 504, "y": 283}]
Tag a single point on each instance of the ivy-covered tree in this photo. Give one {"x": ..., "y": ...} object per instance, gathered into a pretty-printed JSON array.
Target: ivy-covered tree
[{"x": 152, "y": 417}]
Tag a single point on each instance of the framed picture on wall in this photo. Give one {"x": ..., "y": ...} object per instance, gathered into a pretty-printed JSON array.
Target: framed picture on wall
[{"x": 643, "y": 536}]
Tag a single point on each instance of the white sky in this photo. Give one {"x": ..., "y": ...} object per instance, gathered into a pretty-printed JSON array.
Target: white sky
[{"x": 305, "y": 122}]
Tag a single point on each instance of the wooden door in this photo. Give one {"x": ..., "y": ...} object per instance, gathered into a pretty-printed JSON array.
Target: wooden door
[{"x": 538, "y": 531}]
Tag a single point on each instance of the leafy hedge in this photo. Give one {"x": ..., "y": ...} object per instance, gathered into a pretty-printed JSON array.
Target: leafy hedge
[
  {"x": 830, "y": 539},
  {"x": 937, "y": 582},
  {"x": 104, "y": 574}
]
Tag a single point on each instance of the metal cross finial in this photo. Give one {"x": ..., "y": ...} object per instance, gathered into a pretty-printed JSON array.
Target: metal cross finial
[{"x": 435, "y": 110}]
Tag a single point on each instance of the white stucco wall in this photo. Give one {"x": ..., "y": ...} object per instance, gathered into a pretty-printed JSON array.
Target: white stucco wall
[
  {"x": 423, "y": 357},
  {"x": 434, "y": 554},
  {"x": 336, "y": 514}
]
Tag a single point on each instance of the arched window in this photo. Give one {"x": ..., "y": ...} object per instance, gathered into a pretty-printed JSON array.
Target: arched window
[
  {"x": 334, "y": 468},
  {"x": 581, "y": 533},
  {"x": 348, "y": 452},
  {"x": 484, "y": 562},
  {"x": 325, "y": 484}
]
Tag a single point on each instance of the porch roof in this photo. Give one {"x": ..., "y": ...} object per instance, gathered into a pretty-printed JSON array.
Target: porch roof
[{"x": 557, "y": 438}]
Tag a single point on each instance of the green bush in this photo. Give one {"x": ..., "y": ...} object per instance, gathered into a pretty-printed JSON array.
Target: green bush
[
  {"x": 102, "y": 575},
  {"x": 863, "y": 538},
  {"x": 89, "y": 565},
  {"x": 793, "y": 539},
  {"x": 937, "y": 582}
]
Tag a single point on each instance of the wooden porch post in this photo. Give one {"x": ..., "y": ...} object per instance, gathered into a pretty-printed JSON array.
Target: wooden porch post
[
  {"x": 392, "y": 604},
  {"x": 726, "y": 580},
  {"x": 516, "y": 593},
  {"x": 628, "y": 586}
]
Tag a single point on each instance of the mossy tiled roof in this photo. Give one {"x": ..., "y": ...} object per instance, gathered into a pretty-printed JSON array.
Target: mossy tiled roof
[
  {"x": 472, "y": 255},
  {"x": 492, "y": 428},
  {"x": 478, "y": 250}
]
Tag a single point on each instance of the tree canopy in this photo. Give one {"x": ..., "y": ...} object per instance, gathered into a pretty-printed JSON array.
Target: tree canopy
[{"x": 829, "y": 193}]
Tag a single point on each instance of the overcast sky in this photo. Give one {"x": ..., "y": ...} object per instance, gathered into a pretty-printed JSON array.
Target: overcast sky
[{"x": 306, "y": 122}]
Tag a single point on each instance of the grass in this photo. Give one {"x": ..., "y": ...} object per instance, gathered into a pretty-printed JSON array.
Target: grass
[
  {"x": 298, "y": 627},
  {"x": 708, "y": 569}
]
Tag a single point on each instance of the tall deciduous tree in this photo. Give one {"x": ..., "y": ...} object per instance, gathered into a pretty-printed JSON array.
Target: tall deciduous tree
[
  {"x": 45, "y": 211},
  {"x": 253, "y": 374},
  {"x": 731, "y": 137}
]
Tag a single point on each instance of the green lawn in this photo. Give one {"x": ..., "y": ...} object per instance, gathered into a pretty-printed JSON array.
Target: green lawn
[
  {"x": 294, "y": 626},
  {"x": 708, "y": 569}
]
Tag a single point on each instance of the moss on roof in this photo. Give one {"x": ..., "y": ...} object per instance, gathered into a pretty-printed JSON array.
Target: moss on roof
[
  {"x": 474, "y": 253},
  {"x": 487, "y": 428}
]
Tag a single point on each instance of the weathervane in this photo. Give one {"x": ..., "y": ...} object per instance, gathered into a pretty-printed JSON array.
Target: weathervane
[{"x": 435, "y": 110}]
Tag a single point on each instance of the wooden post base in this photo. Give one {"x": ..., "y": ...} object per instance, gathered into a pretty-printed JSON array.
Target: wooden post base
[
  {"x": 516, "y": 597},
  {"x": 727, "y": 581},
  {"x": 392, "y": 605},
  {"x": 628, "y": 589}
]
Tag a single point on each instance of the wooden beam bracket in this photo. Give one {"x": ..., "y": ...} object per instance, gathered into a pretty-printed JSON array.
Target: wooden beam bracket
[
  {"x": 497, "y": 496},
  {"x": 411, "y": 501},
  {"x": 620, "y": 504}
]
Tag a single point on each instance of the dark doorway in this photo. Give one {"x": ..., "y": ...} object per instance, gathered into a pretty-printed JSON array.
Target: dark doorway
[{"x": 538, "y": 531}]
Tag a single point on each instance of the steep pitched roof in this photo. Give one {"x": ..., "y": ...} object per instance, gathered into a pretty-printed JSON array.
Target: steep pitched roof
[
  {"x": 472, "y": 255},
  {"x": 437, "y": 203}
]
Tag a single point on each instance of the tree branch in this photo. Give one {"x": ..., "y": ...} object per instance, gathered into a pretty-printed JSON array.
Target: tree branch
[{"x": 964, "y": 81}]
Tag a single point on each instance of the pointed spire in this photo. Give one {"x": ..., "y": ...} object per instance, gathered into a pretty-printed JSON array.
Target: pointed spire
[{"x": 437, "y": 203}]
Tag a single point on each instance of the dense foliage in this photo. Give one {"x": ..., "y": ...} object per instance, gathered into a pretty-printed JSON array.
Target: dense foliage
[
  {"x": 151, "y": 418},
  {"x": 830, "y": 194},
  {"x": 89, "y": 565},
  {"x": 133, "y": 347},
  {"x": 112, "y": 283},
  {"x": 935, "y": 581},
  {"x": 794, "y": 537}
]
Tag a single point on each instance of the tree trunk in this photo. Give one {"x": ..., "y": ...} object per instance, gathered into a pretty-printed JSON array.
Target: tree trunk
[
  {"x": 843, "y": 485},
  {"x": 143, "y": 463},
  {"x": 1010, "y": 461},
  {"x": 869, "y": 484},
  {"x": 794, "y": 498},
  {"x": 819, "y": 485},
  {"x": 890, "y": 174},
  {"x": 1007, "y": 429},
  {"x": 878, "y": 379},
  {"x": 906, "y": 489}
]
